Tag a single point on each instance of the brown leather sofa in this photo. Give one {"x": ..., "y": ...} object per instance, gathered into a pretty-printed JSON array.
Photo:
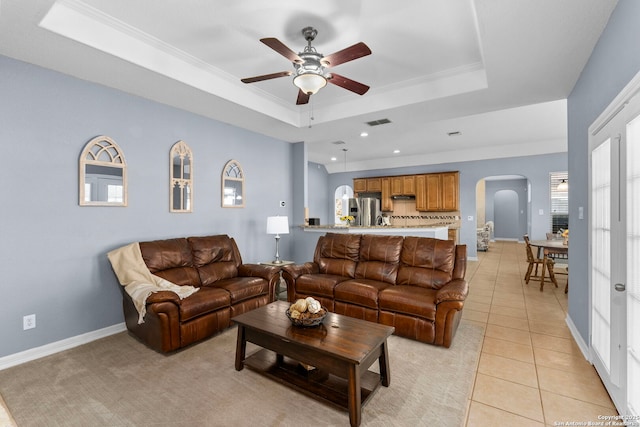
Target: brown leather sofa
[
  {"x": 227, "y": 287},
  {"x": 415, "y": 284}
]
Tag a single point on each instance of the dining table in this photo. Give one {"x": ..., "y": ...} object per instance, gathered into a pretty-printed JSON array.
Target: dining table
[{"x": 547, "y": 247}]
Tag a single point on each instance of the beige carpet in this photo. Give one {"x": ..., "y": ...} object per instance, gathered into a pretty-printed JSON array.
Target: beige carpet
[{"x": 117, "y": 381}]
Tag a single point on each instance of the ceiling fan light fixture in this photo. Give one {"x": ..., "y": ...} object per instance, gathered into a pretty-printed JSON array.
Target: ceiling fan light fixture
[
  {"x": 563, "y": 186},
  {"x": 309, "y": 82}
]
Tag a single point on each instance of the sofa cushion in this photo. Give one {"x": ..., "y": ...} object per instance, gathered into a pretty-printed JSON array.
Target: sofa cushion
[
  {"x": 318, "y": 284},
  {"x": 379, "y": 258},
  {"x": 214, "y": 257},
  {"x": 426, "y": 262},
  {"x": 337, "y": 254},
  {"x": 412, "y": 300},
  {"x": 206, "y": 300},
  {"x": 362, "y": 292},
  {"x": 170, "y": 259},
  {"x": 242, "y": 288}
]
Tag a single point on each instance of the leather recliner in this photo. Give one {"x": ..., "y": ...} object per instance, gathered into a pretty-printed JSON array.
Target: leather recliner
[
  {"x": 415, "y": 284},
  {"x": 227, "y": 287}
]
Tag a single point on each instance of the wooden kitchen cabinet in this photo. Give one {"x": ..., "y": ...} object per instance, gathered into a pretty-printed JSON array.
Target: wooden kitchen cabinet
[
  {"x": 367, "y": 185},
  {"x": 433, "y": 197},
  {"x": 409, "y": 185},
  {"x": 437, "y": 192},
  {"x": 374, "y": 185},
  {"x": 450, "y": 198},
  {"x": 359, "y": 185},
  {"x": 396, "y": 185},
  {"x": 387, "y": 201},
  {"x": 421, "y": 192},
  {"x": 403, "y": 185},
  {"x": 434, "y": 192}
]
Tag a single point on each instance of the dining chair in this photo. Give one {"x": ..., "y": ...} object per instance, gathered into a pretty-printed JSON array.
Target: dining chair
[
  {"x": 534, "y": 262},
  {"x": 562, "y": 268}
]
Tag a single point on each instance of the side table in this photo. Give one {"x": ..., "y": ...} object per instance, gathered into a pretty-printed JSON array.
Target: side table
[{"x": 279, "y": 286}]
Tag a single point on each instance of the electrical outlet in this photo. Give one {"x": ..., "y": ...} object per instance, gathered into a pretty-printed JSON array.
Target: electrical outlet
[
  {"x": 283, "y": 203},
  {"x": 29, "y": 322}
]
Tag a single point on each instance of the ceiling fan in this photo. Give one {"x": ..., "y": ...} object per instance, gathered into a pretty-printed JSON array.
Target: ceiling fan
[{"x": 310, "y": 66}]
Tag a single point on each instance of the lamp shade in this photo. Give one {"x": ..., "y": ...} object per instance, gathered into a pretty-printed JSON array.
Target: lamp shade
[
  {"x": 310, "y": 83},
  {"x": 277, "y": 225},
  {"x": 563, "y": 186}
]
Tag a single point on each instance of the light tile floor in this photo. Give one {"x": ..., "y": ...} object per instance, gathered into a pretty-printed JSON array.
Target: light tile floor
[{"x": 530, "y": 372}]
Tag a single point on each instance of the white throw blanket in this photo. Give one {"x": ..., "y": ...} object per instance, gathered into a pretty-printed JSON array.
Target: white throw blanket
[{"x": 138, "y": 281}]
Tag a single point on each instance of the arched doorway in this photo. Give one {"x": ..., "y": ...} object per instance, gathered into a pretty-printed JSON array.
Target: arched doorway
[
  {"x": 510, "y": 216},
  {"x": 341, "y": 204}
]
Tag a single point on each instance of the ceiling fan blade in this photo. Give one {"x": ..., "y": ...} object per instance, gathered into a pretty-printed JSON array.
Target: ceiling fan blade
[
  {"x": 303, "y": 98},
  {"x": 282, "y": 49},
  {"x": 266, "y": 77},
  {"x": 350, "y": 53},
  {"x": 348, "y": 84}
]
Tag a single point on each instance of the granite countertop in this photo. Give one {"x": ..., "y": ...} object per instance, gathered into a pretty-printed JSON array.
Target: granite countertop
[{"x": 380, "y": 226}]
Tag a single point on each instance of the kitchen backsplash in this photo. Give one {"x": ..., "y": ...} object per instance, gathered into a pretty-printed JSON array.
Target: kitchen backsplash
[{"x": 405, "y": 214}]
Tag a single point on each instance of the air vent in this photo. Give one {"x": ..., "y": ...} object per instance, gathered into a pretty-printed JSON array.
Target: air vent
[
  {"x": 379, "y": 122},
  {"x": 454, "y": 133},
  {"x": 338, "y": 143}
]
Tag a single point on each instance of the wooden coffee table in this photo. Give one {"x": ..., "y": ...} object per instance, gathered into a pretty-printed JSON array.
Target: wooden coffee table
[{"x": 329, "y": 362}]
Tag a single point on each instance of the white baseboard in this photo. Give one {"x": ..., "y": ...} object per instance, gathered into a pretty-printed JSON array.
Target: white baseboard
[
  {"x": 472, "y": 258},
  {"x": 58, "y": 346},
  {"x": 584, "y": 347}
]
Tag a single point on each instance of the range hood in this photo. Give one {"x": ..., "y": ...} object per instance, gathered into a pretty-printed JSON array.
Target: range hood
[{"x": 403, "y": 197}]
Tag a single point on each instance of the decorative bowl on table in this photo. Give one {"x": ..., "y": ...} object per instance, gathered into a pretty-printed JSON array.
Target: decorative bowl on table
[{"x": 306, "y": 312}]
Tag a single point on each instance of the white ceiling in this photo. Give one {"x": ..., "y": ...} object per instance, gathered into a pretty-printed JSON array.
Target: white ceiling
[{"x": 497, "y": 71}]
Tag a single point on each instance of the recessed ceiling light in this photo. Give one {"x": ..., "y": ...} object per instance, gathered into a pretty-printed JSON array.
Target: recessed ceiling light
[
  {"x": 333, "y": 159},
  {"x": 363, "y": 134},
  {"x": 396, "y": 151}
]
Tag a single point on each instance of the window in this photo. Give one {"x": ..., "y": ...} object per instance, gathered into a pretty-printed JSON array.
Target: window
[{"x": 559, "y": 192}]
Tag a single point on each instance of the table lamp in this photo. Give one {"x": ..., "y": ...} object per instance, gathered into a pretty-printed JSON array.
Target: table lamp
[{"x": 277, "y": 225}]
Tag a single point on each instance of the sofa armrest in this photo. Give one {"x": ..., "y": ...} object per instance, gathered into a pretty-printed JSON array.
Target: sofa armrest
[
  {"x": 290, "y": 274},
  {"x": 163, "y": 296},
  {"x": 267, "y": 272},
  {"x": 293, "y": 271},
  {"x": 456, "y": 290}
]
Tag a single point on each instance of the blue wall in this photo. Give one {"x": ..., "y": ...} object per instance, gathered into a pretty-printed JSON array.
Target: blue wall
[
  {"x": 614, "y": 62},
  {"x": 513, "y": 226},
  {"x": 321, "y": 198},
  {"x": 53, "y": 252}
]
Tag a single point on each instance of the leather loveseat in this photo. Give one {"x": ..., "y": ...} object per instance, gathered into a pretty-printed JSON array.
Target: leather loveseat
[
  {"x": 415, "y": 284},
  {"x": 226, "y": 288}
]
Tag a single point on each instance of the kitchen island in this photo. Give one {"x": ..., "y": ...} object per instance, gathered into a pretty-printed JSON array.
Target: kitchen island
[{"x": 434, "y": 231}]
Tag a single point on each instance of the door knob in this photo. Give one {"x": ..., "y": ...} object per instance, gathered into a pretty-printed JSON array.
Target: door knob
[{"x": 620, "y": 287}]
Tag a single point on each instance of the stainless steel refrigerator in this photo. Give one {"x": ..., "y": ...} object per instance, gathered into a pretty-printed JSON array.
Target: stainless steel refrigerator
[{"x": 369, "y": 211}]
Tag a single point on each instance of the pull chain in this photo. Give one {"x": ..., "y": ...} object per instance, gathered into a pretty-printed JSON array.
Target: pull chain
[{"x": 311, "y": 111}]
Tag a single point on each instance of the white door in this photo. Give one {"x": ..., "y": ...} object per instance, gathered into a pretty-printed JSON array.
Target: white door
[
  {"x": 615, "y": 249},
  {"x": 633, "y": 260}
]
